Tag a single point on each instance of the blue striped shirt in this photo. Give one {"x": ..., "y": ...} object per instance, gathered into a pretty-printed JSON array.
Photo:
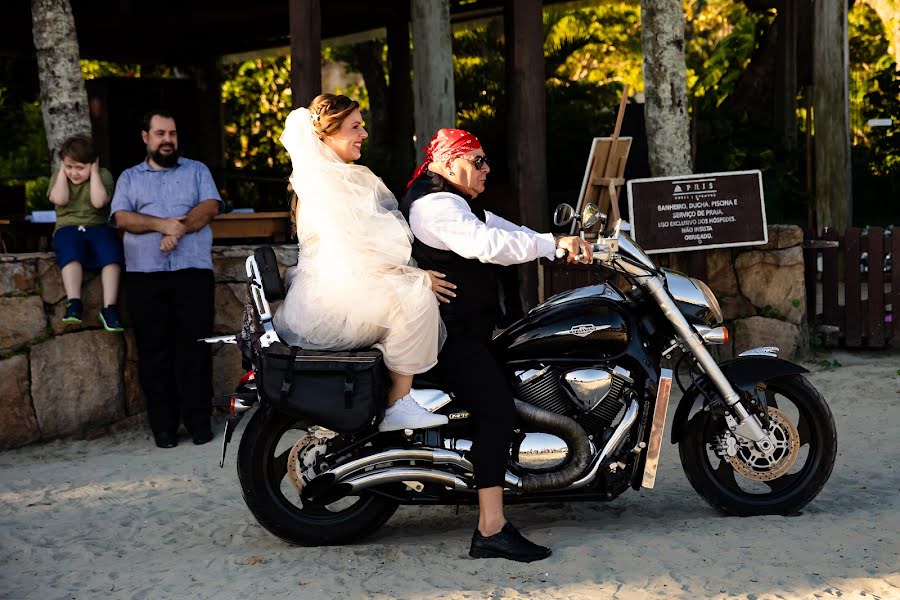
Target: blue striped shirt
[{"x": 165, "y": 193}]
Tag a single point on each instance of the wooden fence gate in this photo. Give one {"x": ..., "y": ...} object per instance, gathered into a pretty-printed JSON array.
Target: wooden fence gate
[{"x": 853, "y": 286}]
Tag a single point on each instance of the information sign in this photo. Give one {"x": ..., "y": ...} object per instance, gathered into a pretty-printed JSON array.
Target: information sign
[{"x": 697, "y": 212}]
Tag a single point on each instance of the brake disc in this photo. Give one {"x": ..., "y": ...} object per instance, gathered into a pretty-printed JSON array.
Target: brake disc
[
  {"x": 302, "y": 459},
  {"x": 753, "y": 464}
]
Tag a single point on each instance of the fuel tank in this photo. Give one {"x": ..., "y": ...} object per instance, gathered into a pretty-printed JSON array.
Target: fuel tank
[{"x": 586, "y": 323}]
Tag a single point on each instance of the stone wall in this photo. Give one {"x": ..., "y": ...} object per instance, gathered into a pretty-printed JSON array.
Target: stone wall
[
  {"x": 60, "y": 380},
  {"x": 762, "y": 293}
]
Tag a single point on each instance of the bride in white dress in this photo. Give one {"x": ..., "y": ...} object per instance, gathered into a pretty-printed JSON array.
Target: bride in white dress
[{"x": 355, "y": 284}]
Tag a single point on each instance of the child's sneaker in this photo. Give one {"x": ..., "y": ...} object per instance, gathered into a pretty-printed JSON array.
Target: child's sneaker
[
  {"x": 109, "y": 316},
  {"x": 74, "y": 308}
]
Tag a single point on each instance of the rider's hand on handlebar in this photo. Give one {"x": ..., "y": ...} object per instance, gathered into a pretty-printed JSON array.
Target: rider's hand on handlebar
[
  {"x": 443, "y": 289},
  {"x": 578, "y": 250}
]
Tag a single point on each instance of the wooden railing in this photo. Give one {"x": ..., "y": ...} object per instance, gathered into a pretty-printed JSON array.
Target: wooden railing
[{"x": 853, "y": 286}]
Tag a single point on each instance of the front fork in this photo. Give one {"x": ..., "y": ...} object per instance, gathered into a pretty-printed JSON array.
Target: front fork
[{"x": 746, "y": 425}]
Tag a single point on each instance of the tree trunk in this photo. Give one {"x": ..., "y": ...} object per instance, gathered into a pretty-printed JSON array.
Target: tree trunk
[
  {"x": 786, "y": 75},
  {"x": 434, "y": 94},
  {"x": 665, "y": 87},
  {"x": 831, "y": 114},
  {"x": 64, "y": 102}
]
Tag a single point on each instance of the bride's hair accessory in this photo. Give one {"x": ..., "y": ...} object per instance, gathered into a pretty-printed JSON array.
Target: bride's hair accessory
[{"x": 315, "y": 117}]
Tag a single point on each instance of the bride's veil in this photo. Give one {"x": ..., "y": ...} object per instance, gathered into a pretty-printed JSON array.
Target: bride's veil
[{"x": 363, "y": 243}]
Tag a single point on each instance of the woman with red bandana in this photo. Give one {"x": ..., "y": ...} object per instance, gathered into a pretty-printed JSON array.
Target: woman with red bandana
[{"x": 461, "y": 240}]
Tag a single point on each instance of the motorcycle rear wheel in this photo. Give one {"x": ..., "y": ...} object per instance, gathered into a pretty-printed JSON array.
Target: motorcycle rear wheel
[
  {"x": 262, "y": 469},
  {"x": 739, "y": 486}
]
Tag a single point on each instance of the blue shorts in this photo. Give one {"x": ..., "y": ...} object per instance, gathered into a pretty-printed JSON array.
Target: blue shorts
[{"x": 93, "y": 246}]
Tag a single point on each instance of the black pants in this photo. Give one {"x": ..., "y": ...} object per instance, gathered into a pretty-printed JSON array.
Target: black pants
[
  {"x": 468, "y": 369},
  {"x": 170, "y": 311}
]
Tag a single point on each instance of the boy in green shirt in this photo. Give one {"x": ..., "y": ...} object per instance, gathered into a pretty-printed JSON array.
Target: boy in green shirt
[{"x": 83, "y": 239}]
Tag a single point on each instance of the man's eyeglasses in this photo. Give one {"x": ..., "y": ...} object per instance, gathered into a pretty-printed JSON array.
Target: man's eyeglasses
[{"x": 479, "y": 161}]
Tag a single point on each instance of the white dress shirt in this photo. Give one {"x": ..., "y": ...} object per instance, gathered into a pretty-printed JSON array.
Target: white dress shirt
[{"x": 444, "y": 221}]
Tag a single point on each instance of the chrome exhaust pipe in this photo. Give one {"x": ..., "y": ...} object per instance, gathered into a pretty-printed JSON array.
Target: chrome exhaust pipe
[
  {"x": 611, "y": 446},
  {"x": 337, "y": 475},
  {"x": 356, "y": 483}
]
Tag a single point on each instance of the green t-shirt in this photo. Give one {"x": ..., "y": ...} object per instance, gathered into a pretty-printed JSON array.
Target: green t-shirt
[{"x": 79, "y": 210}]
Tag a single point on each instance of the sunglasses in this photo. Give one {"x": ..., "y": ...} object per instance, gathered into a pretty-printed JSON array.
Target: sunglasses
[{"x": 479, "y": 161}]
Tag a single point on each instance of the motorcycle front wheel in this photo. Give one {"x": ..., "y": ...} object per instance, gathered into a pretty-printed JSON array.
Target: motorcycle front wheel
[
  {"x": 745, "y": 482},
  {"x": 273, "y": 499}
]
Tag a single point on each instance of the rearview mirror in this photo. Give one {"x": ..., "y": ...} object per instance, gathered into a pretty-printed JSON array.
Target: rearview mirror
[
  {"x": 590, "y": 215},
  {"x": 563, "y": 215}
]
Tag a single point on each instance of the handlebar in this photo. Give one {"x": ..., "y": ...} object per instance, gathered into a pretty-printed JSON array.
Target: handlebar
[{"x": 604, "y": 250}]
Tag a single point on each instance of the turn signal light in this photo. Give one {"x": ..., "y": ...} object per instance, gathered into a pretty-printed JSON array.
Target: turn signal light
[{"x": 716, "y": 335}]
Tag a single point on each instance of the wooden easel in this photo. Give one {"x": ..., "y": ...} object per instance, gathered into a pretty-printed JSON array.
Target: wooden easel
[{"x": 605, "y": 175}]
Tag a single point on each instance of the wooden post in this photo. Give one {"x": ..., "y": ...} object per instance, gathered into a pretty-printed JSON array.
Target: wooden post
[
  {"x": 400, "y": 103},
  {"x": 786, "y": 75},
  {"x": 527, "y": 124},
  {"x": 306, "y": 50},
  {"x": 434, "y": 94},
  {"x": 834, "y": 205},
  {"x": 209, "y": 109}
]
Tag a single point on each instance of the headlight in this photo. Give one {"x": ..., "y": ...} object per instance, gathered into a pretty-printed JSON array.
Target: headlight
[
  {"x": 694, "y": 293},
  {"x": 710, "y": 298}
]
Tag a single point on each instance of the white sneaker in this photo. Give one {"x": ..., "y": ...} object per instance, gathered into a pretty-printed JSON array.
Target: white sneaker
[{"x": 407, "y": 414}]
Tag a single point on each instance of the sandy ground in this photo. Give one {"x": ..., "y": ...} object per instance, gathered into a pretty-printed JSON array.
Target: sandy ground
[{"x": 118, "y": 518}]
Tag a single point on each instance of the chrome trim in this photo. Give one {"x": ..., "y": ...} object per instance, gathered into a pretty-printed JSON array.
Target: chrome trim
[
  {"x": 711, "y": 335},
  {"x": 262, "y": 303},
  {"x": 683, "y": 289},
  {"x": 600, "y": 290},
  {"x": 634, "y": 251},
  {"x": 615, "y": 440},
  {"x": 430, "y": 400},
  {"x": 657, "y": 427},
  {"x": 583, "y": 330},
  {"x": 368, "y": 480},
  {"x": 588, "y": 387},
  {"x": 767, "y": 351},
  {"x": 530, "y": 375},
  {"x": 225, "y": 339},
  {"x": 432, "y": 455}
]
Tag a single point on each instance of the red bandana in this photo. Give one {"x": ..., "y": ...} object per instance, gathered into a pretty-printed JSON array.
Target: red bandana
[{"x": 446, "y": 145}]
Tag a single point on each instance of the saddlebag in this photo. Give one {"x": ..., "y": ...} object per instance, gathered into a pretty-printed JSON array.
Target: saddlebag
[{"x": 343, "y": 391}]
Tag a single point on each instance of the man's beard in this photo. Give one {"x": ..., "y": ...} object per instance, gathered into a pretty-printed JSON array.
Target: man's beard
[{"x": 166, "y": 161}]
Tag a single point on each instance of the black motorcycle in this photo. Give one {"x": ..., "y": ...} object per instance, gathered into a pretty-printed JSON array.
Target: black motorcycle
[{"x": 754, "y": 436}]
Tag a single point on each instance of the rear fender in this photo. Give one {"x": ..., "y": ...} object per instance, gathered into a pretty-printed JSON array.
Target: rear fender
[{"x": 744, "y": 373}]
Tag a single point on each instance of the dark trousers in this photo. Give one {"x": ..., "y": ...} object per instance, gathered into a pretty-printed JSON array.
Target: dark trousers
[
  {"x": 468, "y": 369},
  {"x": 170, "y": 311}
]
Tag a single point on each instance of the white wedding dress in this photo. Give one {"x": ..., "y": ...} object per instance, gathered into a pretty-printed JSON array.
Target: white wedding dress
[{"x": 355, "y": 284}]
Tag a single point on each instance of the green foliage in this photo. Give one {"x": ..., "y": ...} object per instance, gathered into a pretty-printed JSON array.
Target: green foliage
[
  {"x": 589, "y": 53},
  {"x": 829, "y": 365},
  {"x": 94, "y": 69},
  {"x": 36, "y": 194},
  {"x": 256, "y": 98}
]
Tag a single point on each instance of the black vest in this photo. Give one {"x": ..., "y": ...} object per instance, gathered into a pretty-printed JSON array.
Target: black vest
[{"x": 476, "y": 281}]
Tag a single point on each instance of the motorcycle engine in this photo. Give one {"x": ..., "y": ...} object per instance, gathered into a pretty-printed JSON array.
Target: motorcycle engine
[{"x": 593, "y": 396}]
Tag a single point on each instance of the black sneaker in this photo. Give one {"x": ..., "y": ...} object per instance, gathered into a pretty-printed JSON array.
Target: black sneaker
[
  {"x": 74, "y": 308},
  {"x": 109, "y": 316},
  {"x": 508, "y": 544}
]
